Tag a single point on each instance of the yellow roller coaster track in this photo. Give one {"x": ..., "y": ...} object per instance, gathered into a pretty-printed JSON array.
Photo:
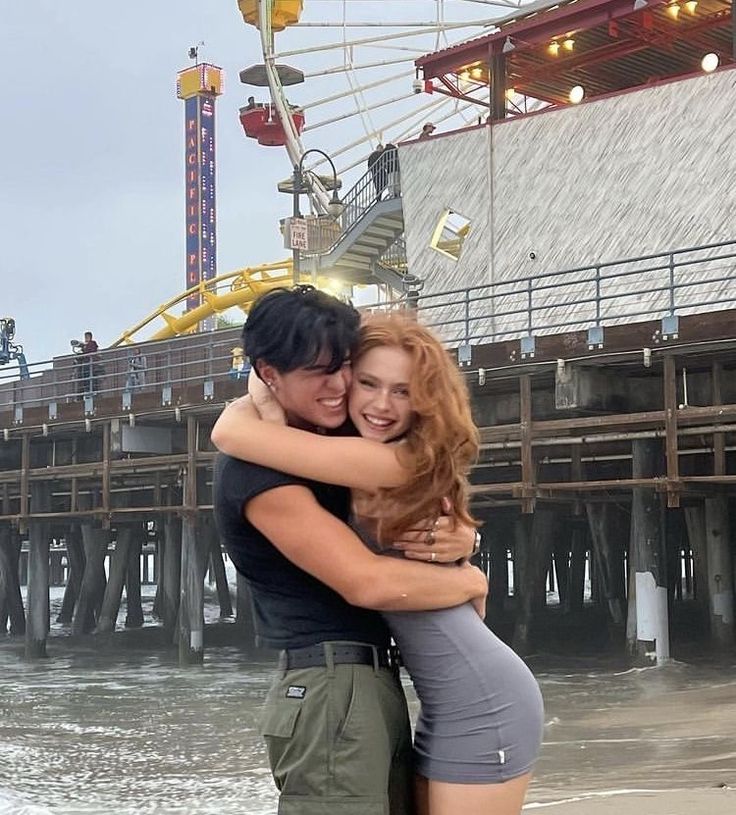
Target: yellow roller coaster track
[{"x": 236, "y": 289}]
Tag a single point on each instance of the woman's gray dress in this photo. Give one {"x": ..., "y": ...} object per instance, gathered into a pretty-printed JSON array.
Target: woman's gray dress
[{"x": 481, "y": 714}]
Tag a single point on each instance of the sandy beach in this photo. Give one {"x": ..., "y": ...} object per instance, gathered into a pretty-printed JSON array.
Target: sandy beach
[
  {"x": 639, "y": 802},
  {"x": 658, "y": 741}
]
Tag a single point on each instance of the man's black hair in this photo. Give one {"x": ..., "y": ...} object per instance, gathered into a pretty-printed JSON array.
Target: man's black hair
[{"x": 292, "y": 328}]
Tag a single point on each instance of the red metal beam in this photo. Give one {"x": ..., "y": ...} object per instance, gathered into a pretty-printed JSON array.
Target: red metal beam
[
  {"x": 455, "y": 93},
  {"x": 620, "y": 48},
  {"x": 528, "y": 31}
]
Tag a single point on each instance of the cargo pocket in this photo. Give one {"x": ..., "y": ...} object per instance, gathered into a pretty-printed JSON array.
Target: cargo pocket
[
  {"x": 277, "y": 729},
  {"x": 279, "y": 720}
]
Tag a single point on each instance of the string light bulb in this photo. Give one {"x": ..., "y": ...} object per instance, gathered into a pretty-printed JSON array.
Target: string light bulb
[
  {"x": 510, "y": 93},
  {"x": 554, "y": 48},
  {"x": 577, "y": 94},
  {"x": 673, "y": 10},
  {"x": 691, "y": 5},
  {"x": 710, "y": 62},
  {"x": 568, "y": 44},
  {"x": 477, "y": 72}
]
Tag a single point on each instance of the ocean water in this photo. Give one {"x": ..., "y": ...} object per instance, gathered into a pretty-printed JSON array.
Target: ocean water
[
  {"x": 122, "y": 729},
  {"x": 103, "y": 732}
]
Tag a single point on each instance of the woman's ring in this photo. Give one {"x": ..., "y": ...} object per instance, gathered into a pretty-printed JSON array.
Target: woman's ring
[
  {"x": 433, "y": 557},
  {"x": 430, "y": 537}
]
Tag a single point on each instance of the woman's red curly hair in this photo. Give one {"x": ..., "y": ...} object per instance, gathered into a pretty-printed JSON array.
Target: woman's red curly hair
[{"x": 442, "y": 442}]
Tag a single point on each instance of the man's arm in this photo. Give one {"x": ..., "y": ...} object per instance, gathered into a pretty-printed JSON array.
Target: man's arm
[{"x": 322, "y": 545}]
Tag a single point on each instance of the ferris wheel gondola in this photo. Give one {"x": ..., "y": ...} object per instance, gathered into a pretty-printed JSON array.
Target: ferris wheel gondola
[{"x": 343, "y": 80}]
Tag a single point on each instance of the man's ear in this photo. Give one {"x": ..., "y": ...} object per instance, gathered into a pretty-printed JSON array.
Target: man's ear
[{"x": 266, "y": 372}]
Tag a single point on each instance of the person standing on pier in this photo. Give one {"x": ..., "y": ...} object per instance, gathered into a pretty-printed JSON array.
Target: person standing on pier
[
  {"x": 136, "y": 370},
  {"x": 335, "y": 721},
  {"x": 375, "y": 169},
  {"x": 87, "y": 362}
]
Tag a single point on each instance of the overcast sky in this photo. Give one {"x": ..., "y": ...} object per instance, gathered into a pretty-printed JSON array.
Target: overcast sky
[{"x": 92, "y": 179}]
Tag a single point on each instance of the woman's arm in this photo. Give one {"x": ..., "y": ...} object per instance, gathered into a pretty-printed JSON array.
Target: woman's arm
[{"x": 351, "y": 462}]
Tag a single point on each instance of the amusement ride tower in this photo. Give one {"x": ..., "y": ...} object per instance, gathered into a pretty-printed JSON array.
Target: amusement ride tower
[{"x": 199, "y": 86}]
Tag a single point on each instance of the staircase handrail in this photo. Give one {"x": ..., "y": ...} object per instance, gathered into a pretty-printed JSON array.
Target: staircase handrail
[{"x": 381, "y": 182}]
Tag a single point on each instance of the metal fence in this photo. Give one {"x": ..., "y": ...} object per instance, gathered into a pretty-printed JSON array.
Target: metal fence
[
  {"x": 162, "y": 368},
  {"x": 395, "y": 257},
  {"x": 652, "y": 287},
  {"x": 662, "y": 286}
]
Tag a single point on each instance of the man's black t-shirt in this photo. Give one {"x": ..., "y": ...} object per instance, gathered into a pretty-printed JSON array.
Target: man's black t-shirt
[{"x": 291, "y": 608}]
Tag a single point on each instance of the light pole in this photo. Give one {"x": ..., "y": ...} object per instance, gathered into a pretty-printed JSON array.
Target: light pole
[{"x": 334, "y": 207}]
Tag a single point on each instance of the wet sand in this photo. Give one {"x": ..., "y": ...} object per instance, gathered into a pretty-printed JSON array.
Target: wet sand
[
  {"x": 658, "y": 741},
  {"x": 673, "y": 802}
]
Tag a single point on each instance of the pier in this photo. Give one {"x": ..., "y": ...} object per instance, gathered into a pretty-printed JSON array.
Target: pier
[{"x": 607, "y": 451}]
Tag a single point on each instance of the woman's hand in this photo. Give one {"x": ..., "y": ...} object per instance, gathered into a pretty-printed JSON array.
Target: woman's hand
[{"x": 443, "y": 540}]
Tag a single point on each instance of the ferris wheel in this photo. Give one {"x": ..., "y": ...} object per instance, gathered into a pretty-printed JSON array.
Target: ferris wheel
[{"x": 337, "y": 77}]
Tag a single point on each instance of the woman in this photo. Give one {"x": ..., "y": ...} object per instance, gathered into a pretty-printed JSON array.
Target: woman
[{"x": 480, "y": 724}]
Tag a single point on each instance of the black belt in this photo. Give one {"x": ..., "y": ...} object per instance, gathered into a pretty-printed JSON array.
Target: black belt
[{"x": 336, "y": 653}]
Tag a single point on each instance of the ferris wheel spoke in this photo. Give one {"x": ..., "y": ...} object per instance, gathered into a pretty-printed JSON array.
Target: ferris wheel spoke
[
  {"x": 338, "y": 69},
  {"x": 407, "y": 48},
  {"x": 504, "y": 3},
  {"x": 360, "y": 88},
  {"x": 333, "y": 46},
  {"x": 374, "y": 106}
]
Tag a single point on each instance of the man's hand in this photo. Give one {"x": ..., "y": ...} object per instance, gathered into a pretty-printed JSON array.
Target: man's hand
[
  {"x": 479, "y": 604},
  {"x": 479, "y": 601},
  {"x": 440, "y": 541}
]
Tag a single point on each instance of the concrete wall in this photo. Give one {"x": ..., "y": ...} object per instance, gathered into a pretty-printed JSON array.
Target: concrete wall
[{"x": 641, "y": 173}]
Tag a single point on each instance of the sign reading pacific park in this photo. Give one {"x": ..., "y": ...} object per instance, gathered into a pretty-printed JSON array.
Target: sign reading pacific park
[
  {"x": 200, "y": 190},
  {"x": 199, "y": 86}
]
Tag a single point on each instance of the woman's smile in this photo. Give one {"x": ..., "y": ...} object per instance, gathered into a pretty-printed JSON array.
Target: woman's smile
[{"x": 380, "y": 403}]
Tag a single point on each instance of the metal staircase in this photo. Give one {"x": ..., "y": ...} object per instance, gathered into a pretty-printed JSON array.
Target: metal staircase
[{"x": 370, "y": 246}]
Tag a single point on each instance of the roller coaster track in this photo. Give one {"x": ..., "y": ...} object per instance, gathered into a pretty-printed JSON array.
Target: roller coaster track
[{"x": 236, "y": 289}]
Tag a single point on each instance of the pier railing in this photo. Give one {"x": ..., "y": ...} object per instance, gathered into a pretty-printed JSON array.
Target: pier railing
[
  {"x": 661, "y": 286},
  {"x": 380, "y": 183},
  {"x": 163, "y": 370},
  {"x": 655, "y": 287}
]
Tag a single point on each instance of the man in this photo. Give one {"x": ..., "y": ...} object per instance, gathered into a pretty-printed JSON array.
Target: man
[
  {"x": 335, "y": 720},
  {"x": 375, "y": 169},
  {"x": 87, "y": 362},
  {"x": 136, "y": 370},
  {"x": 427, "y": 131},
  {"x": 391, "y": 170}
]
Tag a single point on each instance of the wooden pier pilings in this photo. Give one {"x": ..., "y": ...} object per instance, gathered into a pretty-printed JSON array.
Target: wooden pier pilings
[{"x": 606, "y": 483}]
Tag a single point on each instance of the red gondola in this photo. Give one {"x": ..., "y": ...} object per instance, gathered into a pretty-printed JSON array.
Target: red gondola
[{"x": 261, "y": 121}]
